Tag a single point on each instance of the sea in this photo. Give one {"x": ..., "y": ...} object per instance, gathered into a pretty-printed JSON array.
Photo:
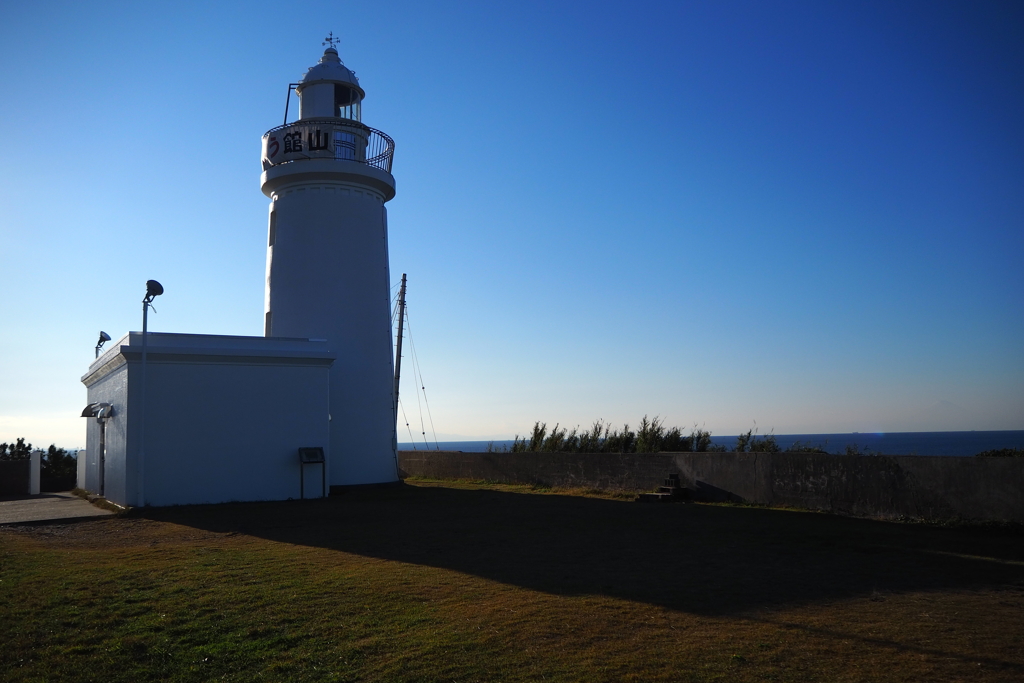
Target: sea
[{"x": 868, "y": 443}]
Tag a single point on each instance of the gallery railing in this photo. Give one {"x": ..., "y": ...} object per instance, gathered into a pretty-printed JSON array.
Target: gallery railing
[{"x": 341, "y": 139}]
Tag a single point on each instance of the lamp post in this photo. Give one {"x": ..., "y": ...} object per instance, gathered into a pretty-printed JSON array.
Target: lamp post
[{"x": 153, "y": 290}]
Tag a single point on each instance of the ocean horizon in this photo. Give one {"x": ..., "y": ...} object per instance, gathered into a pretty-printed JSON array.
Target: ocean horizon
[{"x": 869, "y": 443}]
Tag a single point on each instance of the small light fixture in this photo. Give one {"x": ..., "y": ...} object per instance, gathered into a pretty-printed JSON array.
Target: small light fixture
[
  {"x": 101, "y": 411},
  {"x": 104, "y": 338}
]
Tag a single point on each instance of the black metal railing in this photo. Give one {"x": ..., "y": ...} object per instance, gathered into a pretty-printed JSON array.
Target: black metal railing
[
  {"x": 340, "y": 139},
  {"x": 380, "y": 150}
]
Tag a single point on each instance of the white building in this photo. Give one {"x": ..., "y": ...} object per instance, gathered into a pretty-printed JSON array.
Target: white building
[{"x": 207, "y": 418}]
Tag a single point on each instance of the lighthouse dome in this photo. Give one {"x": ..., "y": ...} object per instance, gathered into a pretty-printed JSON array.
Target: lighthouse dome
[
  {"x": 330, "y": 70},
  {"x": 329, "y": 89}
]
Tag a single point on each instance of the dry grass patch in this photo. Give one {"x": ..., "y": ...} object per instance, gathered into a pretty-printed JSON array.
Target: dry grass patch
[{"x": 476, "y": 582}]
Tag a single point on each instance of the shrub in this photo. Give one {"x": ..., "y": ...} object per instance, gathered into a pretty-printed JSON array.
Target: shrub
[
  {"x": 620, "y": 442},
  {"x": 1002, "y": 453},
  {"x": 592, "y": 441},
  {"x": 57, "y": 464},
  {"x": 701, "y": 439},
  {"x": 558, "y": 441},
  {"x": 800, "y": 447},
  {"x": 651, "y": 436},
  {"x": 15, "y": 451},
  {"x": 673, "y": 441},
  {"x": 752, "y": 443}
]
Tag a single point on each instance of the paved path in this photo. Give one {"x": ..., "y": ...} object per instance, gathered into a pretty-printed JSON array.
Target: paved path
[{"x": 48, "y": 507}]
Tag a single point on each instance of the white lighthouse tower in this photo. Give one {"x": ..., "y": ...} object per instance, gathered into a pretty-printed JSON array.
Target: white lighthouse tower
[{"x": 328, "y": 176}]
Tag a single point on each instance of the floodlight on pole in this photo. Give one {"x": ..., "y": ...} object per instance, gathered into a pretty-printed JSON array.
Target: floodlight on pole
[
  {"x": 153, "y": 290},
  {"x": 104, "y": 338}
]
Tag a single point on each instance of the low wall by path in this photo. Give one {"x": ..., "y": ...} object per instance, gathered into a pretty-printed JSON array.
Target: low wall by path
[
  {"x": 14, "y": 477},
  {"x": 907, "y": 486}
]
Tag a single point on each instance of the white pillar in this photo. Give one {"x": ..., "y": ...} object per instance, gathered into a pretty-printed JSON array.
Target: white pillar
[
  {"x": 81, "y": 458},
  {"x": 35, "y": 462}
]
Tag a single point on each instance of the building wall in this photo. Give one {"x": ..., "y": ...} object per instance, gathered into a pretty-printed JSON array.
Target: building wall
[
  {"x": 110, "y": 388},
  {"x": 919, "y": 487},
  {"x": 225, "y": 432},
  {"x": 224, "y": 418}
]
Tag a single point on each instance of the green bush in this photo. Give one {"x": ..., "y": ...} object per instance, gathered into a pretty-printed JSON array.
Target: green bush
[
  {"x": 800, "y": 447},
  {"x": 651, "y": 436},
  {"x": 15, "y": 451},
  {"x": 1002, "y": 453},
  {"x": 57, "y": 464},
  {"x": 752, "y": 443}
]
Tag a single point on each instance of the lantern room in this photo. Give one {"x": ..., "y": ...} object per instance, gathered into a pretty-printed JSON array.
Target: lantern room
[{"x": 330, "y": 90}]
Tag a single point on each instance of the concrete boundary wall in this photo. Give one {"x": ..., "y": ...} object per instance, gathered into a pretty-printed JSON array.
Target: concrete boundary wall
[
  {"x": 21, "y": 477},
  {"x": 889, "y": 487},
  {"x": 15, "y": 477}
]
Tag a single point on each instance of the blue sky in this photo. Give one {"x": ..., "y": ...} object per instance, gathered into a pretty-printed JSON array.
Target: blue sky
[{"x": 804, "y": 214}]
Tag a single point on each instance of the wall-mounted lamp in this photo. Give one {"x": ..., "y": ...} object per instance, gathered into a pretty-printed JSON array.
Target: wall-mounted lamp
[{"x": 100, "y": 411}]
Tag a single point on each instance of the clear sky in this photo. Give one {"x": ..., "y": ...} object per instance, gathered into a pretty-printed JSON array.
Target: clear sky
[{"x": 804, "y": 214}]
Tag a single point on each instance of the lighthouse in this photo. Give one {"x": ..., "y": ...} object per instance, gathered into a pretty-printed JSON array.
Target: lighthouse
[{"x": 328, "y": 177}]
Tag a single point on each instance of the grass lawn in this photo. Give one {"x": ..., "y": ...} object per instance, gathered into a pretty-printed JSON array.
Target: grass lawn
[{"x": 443, "y": 581}]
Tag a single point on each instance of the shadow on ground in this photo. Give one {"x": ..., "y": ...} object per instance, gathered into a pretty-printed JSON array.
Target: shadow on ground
[
  {"x": 711, "y": 560},
  {"x": 33, "y": 496}
]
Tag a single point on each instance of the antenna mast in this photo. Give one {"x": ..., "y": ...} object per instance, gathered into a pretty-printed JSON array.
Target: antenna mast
[{"x": 398, "y": 351}]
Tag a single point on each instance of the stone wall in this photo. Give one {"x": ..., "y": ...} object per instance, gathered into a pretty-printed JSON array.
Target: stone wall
[{"x": 909, "y": 486}]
